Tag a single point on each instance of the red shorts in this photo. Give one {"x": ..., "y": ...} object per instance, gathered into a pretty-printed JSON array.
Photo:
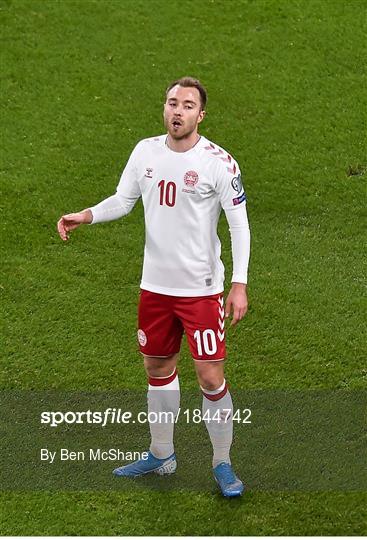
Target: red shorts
[{"x": 163, "y": 319}]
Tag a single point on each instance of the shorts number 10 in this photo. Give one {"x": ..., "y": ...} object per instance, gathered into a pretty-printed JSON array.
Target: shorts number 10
[{"x": 206, "y": 340}]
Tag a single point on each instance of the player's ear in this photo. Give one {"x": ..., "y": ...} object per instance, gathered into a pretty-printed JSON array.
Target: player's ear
[{"x": 201, "y": 116}]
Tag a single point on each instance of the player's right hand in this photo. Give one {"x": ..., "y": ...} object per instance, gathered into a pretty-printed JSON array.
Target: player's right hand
[{"x": 69, "y": 222}]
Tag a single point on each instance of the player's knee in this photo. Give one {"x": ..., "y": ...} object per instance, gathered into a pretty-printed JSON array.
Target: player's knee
[
  {"x": 159, "y": 366},
  {"x": 211, "y": 381},
  {"x": 211, "y": 384},
  {"x": 210, "y": 374}
]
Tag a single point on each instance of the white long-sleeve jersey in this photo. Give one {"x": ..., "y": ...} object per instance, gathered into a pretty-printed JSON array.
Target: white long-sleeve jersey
[{"x": 183, "y": 194}]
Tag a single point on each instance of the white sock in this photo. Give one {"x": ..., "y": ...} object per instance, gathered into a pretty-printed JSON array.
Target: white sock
[
  {"x": 163, "y": 396},
  {"x": 220, "y": 432}
]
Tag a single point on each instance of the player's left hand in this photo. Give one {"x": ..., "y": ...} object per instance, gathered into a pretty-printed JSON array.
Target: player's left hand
[{"x": 237, "y": 302}]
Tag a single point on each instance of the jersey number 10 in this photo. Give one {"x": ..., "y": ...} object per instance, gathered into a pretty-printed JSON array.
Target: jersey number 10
[{"x": 167, "y": 193}]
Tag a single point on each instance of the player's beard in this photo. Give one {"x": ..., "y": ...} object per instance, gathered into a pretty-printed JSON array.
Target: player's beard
[{"x": 184, "y": 131}]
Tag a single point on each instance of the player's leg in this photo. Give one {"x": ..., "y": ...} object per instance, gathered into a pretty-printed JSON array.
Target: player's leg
[
  {"x": 217, "y": 410},
  {"x": 203, "y": 320},
  {"x": 163, "y": 403},
  {"x": 159, "y": 335}
]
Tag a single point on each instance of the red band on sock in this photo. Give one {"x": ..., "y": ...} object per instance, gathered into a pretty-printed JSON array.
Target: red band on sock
[
  {"x": 216, "y": 397},
  {"x": 155, "y": 381}
]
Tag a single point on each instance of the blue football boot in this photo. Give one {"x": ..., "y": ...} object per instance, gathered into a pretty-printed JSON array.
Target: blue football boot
[
  {"x": 149, "y": 465},
  {"x": 230, "y": 485}
]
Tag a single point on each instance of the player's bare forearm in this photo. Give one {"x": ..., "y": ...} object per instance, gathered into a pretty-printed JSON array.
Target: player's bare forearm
[
  {"x": 69, "y": 222},
  {"x": 237, "y": 302}
]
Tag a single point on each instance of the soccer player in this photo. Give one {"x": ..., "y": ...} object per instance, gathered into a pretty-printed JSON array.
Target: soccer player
[{"x": 184, "y": 181}]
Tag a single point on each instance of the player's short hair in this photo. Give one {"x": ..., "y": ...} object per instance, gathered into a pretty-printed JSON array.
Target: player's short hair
[{"x": 191, "y": 82}]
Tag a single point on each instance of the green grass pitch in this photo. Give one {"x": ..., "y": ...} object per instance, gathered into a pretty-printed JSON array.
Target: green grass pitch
[{"x": 81, "y": 82}]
